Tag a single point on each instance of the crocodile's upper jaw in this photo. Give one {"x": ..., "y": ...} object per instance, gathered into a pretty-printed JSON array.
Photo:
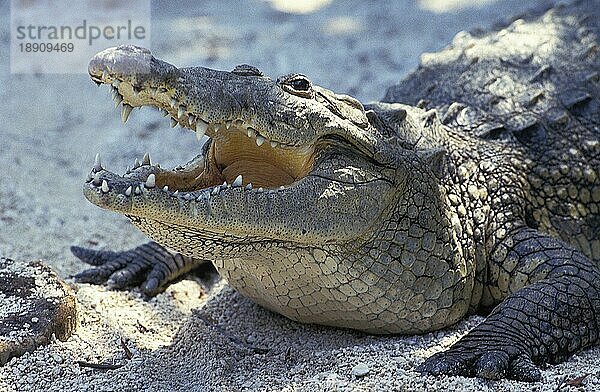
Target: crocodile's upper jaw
[{"x": 259, "y": 177}]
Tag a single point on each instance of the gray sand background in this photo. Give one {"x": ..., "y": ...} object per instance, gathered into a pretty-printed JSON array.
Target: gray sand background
[{"x": 199, "y": 335}]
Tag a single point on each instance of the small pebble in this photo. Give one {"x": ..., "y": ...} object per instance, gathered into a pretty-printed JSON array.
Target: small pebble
[{"x": 361, "y": 370}]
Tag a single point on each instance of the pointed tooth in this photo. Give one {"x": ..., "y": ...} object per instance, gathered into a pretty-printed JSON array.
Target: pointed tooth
[
  {"x": 259, "y": 140},
  {"x": 125, "y": 112},
  {"x": 166, "y": 188},
  {"x": 238, "y": 181},
  {"x": 173, "y": 122},
  {"x": 163, "y": 112},
  {"x": 251, "y": 132},
  {"x": 274, "y": 144},
  {"x": 176, "y": 193},
  {"x": 224, "y": 184},
  {"x": 116, "y": 83},
  {"x": 128, "y": 191},
  {"x": 173, "y": 102},
  {"x": 180, "y": 111},
  {"x": 118, "y": 100},
  {"x": 137, "y": 190},
  {"x": 97, "y": 179},
  {"x": 191, "y": 119},
  {"x": 260, "y": 189},
  {"x": 136, "y": 163},
  {"x": 249, "y": 186},
  {"x": 281, "y": 188},
  {"x": 151, "y": 181},
  {"x": 227, "y": 124},
  {"x": 146, "y": 159},
  {"x": 97, "y": 163},
  {"x": 104, "y": 76},
  {"x": 215, "y": 190},
  {"x": 105, "y": 187},
  {"x": 201, "y": 128}
]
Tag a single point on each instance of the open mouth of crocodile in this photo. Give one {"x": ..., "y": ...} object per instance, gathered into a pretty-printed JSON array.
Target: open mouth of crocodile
[{"x": 235, "y": 156}]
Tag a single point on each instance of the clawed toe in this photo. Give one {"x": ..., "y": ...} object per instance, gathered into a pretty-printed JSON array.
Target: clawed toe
[
  {"x": 491, "y": 365},
  {"x": 523, "y": 369},
  {"x": 444, "y": 363}
]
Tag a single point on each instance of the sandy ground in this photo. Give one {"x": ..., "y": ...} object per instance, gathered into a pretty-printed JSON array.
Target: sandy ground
[{"x": 201, "y": 335}]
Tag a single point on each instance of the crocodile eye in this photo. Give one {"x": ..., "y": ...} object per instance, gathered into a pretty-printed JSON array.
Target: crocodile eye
[
  {"x": 300, "y": 84},
  {"x": 297, "y": 84}
]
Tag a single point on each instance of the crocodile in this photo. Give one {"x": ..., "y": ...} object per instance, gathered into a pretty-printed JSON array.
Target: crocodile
[{"x": 473, "y": 187}]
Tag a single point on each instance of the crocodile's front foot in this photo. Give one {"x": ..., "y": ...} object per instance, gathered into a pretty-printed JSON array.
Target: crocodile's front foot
[{"x": 150, "y": 265}]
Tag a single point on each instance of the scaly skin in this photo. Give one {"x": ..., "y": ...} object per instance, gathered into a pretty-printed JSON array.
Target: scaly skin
[{"x": 388, "y": 219}]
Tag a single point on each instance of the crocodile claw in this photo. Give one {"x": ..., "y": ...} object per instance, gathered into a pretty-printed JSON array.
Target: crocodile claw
[
  {"x": 150, "y": 265},
  {"x": 483, "y": 363}
]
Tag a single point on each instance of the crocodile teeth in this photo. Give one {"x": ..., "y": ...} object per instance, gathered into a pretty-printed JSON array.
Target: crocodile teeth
[
  {"x": 173, "y": 102},
  {"x": 251, "y": 132},
  {"x": 128, "y": 191},
  {"x": 146, "y": 159},
  {"x": 163, "y": 112},
  {"x": 105, "y": 187},
  {"x": 180, "y": 111},
  {"x": 118, "y": 99},
  {"x": 136, "y": 164},
  {"x": 125, "y": 112},
  {"x": 259, "y": 140},
  {"x": 237, "y": 182},
  {"x": 176, "y": 193},
  {"x": 173, "y": 122},
  {"x": 274, "y": 144},
  {"x": 137, "y": 190},
  {"x": 151, "y": 181},
  {"x": 228, "y": 124},
  {"x": 97, "y": 163},
  {"x": 116, "y": 83},
  {"x": 215, "y": 190},
  {"x": 97, "y": 179},
  {"x": 191, "y": 120},
  {"x": 201, "y": 128},
  {"x": 166, "y": 188},
  {"x": 249, "y": 186}
]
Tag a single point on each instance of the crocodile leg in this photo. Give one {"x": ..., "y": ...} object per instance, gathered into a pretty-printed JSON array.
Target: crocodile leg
[
  {"x": 150, "y": 264},
  {"x": 548, "y": 316}
]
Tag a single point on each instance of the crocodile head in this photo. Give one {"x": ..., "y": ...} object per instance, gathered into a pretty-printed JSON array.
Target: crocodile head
[{"x": 292, "y": 174}]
